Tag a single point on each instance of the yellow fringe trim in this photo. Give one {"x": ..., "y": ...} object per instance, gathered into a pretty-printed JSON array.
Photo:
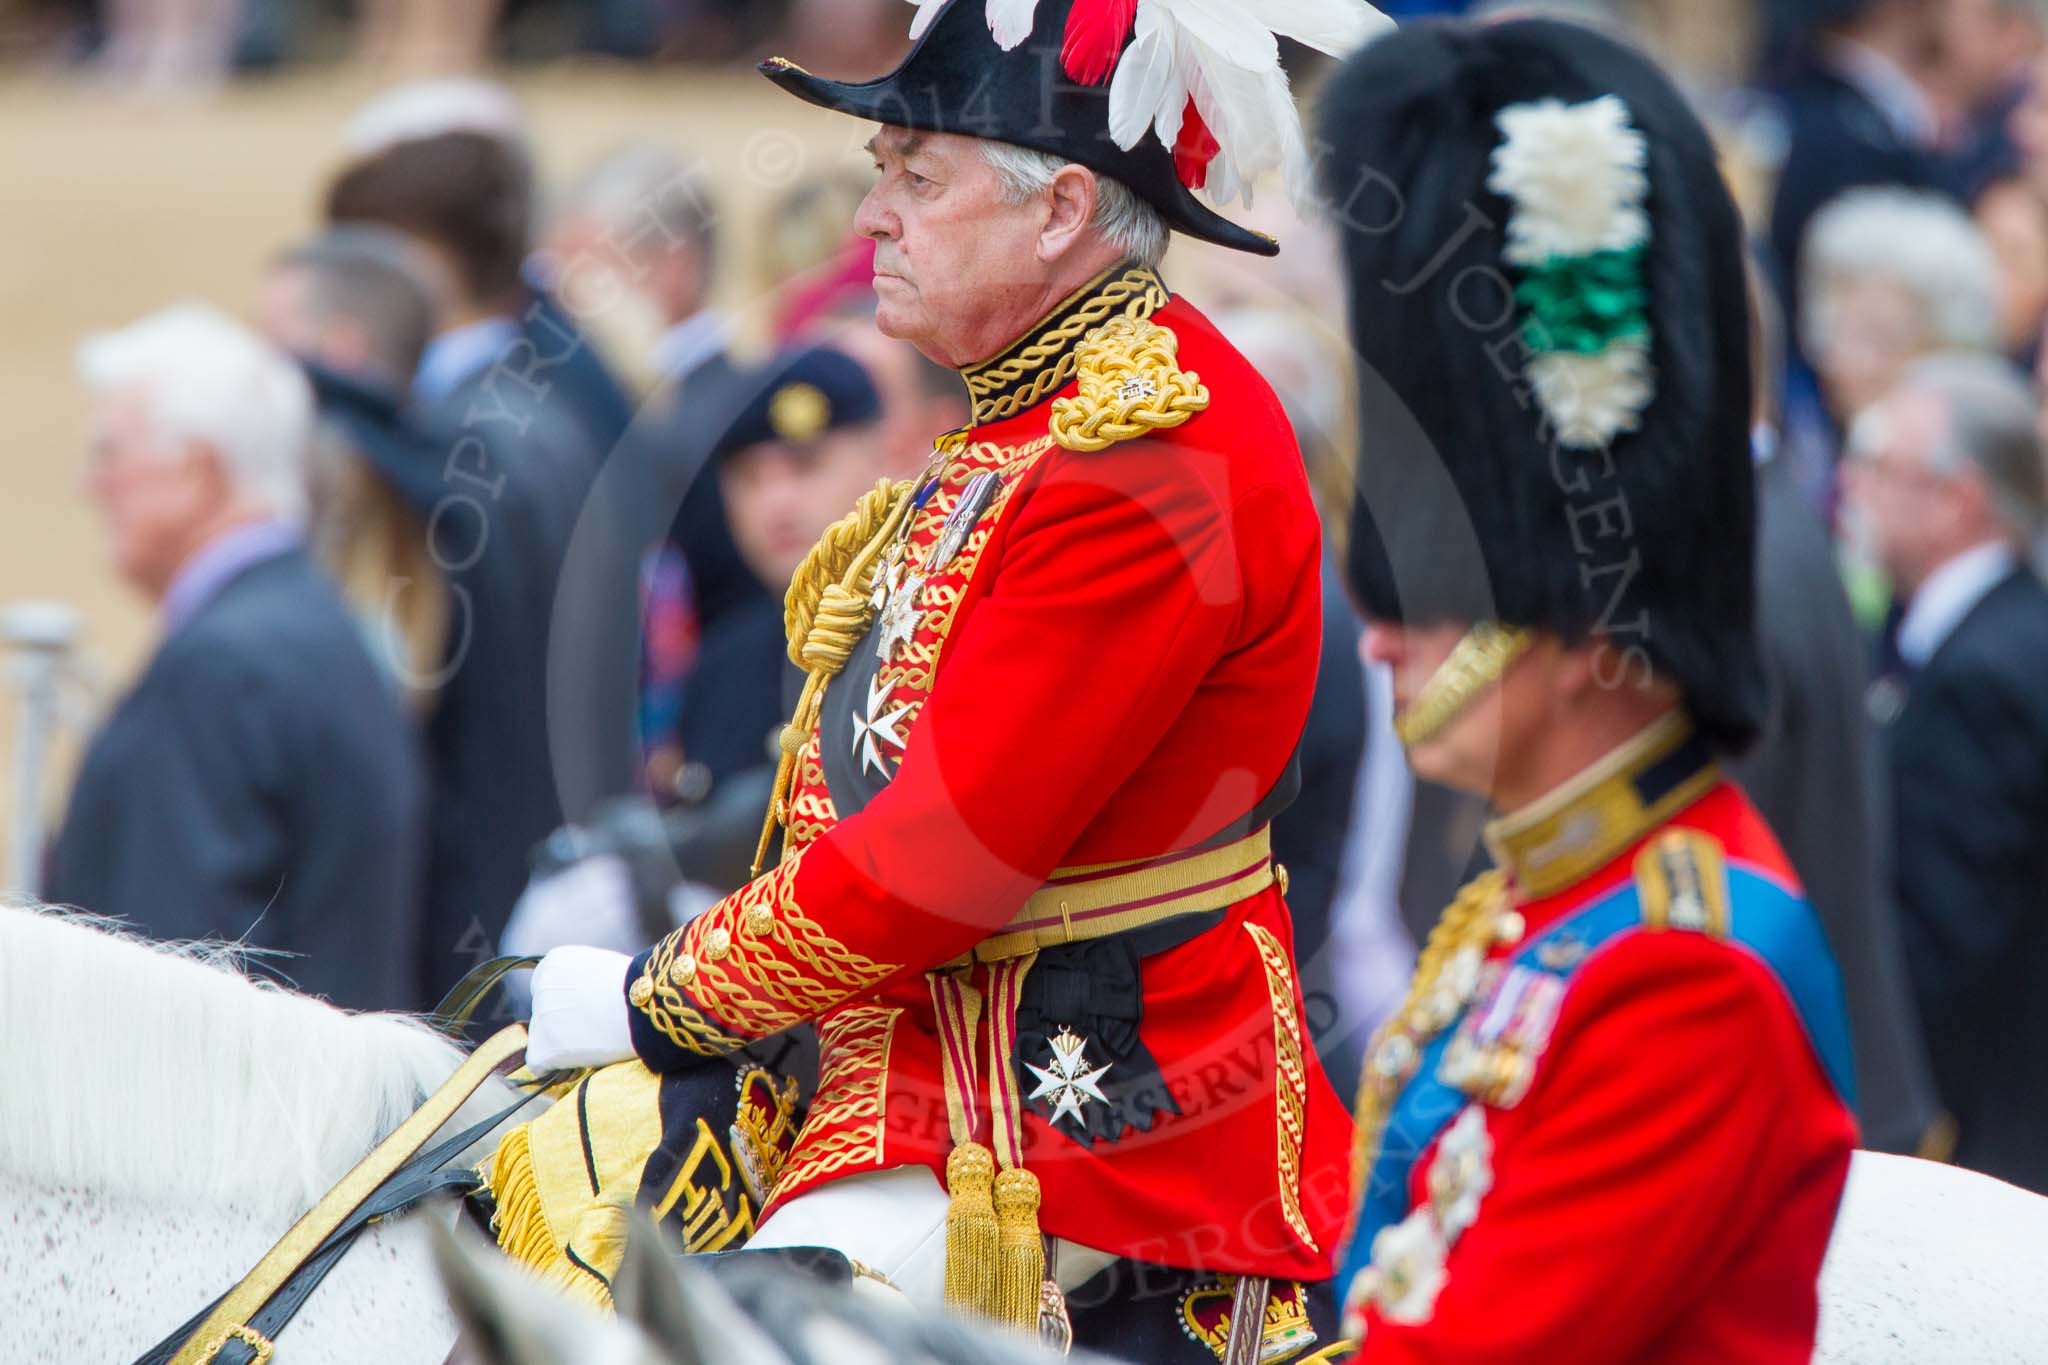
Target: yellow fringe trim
[
  {"x": 520, "y": 1224},
  {"x": 521, "y": 1227}
]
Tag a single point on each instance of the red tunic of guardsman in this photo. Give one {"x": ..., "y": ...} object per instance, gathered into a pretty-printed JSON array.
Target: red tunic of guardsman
[
  {"x": 1611, "y": 1122},
  {"x": 1025, "y": 887}
]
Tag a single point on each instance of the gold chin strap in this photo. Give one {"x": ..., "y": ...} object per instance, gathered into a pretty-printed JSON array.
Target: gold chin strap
[{"x": 1475, "y": 665}]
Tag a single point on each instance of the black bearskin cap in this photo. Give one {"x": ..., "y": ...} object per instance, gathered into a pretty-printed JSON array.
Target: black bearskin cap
[{"x": 1468, "y": 508}]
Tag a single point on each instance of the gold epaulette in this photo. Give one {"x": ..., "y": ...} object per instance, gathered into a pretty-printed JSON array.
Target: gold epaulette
[
  {"x": 1682, "y": 882},
  {"x": 1131, "y": 383}
]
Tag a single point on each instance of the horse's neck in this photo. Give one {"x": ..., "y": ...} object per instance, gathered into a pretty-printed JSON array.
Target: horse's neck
[
  {"x": 86, "y": 1277},
  {"x": 149, "y": 1075}
]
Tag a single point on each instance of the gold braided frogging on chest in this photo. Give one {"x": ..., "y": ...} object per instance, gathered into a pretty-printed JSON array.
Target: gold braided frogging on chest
[{"x": 905, "y": 678}]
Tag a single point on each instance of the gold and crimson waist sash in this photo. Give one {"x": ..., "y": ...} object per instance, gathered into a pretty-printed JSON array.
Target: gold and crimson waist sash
[{"x": 995, "y": 1260}]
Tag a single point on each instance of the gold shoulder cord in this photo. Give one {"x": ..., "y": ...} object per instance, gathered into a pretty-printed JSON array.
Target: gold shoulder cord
[
  {"x": 830, "y": 604},
  {"x": 825, "y": 612}
]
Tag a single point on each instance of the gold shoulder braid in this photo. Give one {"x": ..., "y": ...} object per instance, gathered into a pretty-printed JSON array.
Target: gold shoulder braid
[
  {"x": 1131, "y": 383},
  {"x": 1446, "y": 978}
]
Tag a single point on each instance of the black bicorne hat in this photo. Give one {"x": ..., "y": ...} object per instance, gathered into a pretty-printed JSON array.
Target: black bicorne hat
[
  {"x": 1051, "y": 91},
  {"x": 1494, "y": 485}
]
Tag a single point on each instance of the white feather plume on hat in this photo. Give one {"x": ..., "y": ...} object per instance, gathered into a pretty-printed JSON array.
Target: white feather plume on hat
[{"x": 1218, "y": 57}]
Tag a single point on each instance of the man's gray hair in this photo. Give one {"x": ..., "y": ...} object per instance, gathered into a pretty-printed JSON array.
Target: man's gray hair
[
  {"x": 371, "y": 275},
  {"x": 1121, "y": 219},
  {"x": 648, "y": 197},
  {"x": 207, "y": 379},
  {"x": 1921, "y": 242},
  {"x": 1992, "y": 425}
]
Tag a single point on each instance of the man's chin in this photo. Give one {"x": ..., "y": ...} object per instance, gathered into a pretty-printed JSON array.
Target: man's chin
[{"x": 892, "y": 318}]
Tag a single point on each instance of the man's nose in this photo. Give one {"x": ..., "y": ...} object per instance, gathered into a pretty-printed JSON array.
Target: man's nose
[
  {"x": 1383, "y": 644},
  {"x": 871, "y": 220}
]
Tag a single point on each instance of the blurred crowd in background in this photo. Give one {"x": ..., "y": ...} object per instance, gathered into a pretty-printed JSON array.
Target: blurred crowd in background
[
  {"x": 468, "y": 546},
  {"x": 168, "y": 46}
]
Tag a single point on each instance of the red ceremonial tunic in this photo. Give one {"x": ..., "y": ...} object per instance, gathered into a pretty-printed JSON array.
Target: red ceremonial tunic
[
  {"x": 1115, "y": 664},
  {"x": 1663, "y": 1149}
]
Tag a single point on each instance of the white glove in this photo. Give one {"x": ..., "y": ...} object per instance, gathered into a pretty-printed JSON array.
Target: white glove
[
  {"x": 580, "y": 1015},
  {"x": 587, "y": 902}
]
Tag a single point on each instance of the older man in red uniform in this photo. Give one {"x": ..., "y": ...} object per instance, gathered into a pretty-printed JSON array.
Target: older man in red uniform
[
  {"x": 1025, "y": 888},
  {"x": 1611, "y": 1122}
]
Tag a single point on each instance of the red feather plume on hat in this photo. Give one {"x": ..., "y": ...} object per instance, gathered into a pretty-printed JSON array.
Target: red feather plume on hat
[
  {"x": 1205, "y": 75},
  {"x": 1096, "y": 30}
]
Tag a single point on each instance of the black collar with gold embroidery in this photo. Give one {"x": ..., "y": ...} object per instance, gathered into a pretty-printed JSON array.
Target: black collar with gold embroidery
[
  {"x": 1038, "y": 364},
  {"x": 1580, "y": 827}
]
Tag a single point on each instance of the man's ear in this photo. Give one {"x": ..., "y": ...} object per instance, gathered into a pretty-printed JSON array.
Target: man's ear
[
  {"x": 211, "y": 468},
  {"x": 1072, "y": 208}
]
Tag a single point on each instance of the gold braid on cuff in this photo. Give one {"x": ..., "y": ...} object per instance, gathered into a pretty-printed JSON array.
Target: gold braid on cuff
[{"x": 1475, "y": 665}]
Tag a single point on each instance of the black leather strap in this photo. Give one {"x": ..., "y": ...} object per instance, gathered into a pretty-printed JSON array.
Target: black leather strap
[
  {"x": 452, "y": 1015},
  {"x": 417, "y": 1179}
]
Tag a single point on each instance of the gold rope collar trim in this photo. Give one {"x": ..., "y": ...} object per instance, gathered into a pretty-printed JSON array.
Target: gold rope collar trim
[
  {"x": 1581, "y": 826},
  {"x": 1039, "y": 364}
]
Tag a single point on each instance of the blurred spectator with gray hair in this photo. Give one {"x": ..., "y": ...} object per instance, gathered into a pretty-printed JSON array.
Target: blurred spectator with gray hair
[
  {"x": 630, "y": 248},
  {"x": 1892, "y": 275},
  {"x": 259, "y": 783},
  {"x": 637, "y": 232},
  {"x": 1817, "y": 772},
  {"x": 1947, "y": 471}
]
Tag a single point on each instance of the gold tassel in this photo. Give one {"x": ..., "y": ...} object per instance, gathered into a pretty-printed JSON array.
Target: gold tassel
[
  {"x": 971, "y": 1230},
  {"x": 1020, "y": 1253},
  {"x": 520, "y": 1223}
]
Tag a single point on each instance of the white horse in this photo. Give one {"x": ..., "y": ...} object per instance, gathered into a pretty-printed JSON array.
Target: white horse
[
  {"x": 163, "y": 1120},
  {"x": 1934, "y": 1265}
]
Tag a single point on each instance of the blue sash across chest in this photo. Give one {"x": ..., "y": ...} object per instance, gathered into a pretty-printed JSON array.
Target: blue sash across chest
[{"x": 1765, "y": 918}]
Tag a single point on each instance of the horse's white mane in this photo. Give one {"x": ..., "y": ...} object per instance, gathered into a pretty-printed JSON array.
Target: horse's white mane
[{"x": 159, "y": 1072}]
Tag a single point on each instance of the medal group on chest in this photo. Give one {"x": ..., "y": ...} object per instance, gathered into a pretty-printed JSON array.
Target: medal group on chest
[
  {"x": 1489, "y": 1059},
  {"x": 880, "y": 723}
]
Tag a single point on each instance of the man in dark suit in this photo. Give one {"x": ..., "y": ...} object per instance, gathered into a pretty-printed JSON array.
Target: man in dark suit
[
  {"x": 1817, "y": 776},
  {"x": 1817, "y": 773},
  {"x": 1948, "y": 472},
  {"x": 351, "y": 305},
  {"x": 259, "y": 783},
  {"x": 463, "y": 197},
  {"x": 642, "y": 219},
  {"x": 1855, "y": 113}
]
